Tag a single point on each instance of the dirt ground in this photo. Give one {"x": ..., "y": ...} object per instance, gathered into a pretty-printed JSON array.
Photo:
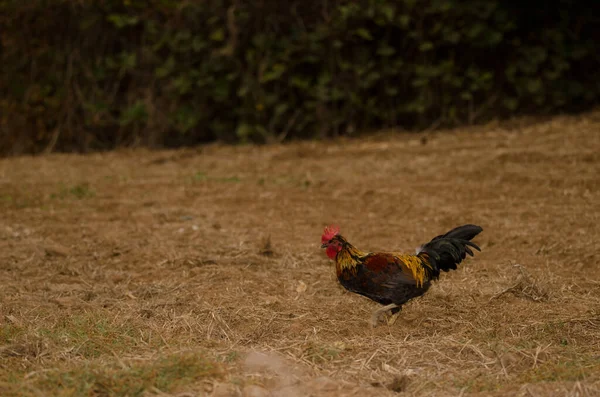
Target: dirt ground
[{"x": 199, "y": 272}]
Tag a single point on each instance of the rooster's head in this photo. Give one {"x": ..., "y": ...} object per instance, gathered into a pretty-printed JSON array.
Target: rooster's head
[{"x": 330, "y": 241}]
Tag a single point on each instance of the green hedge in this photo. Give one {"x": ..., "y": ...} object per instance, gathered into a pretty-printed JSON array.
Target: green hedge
[{"x": 87, "y": 75}]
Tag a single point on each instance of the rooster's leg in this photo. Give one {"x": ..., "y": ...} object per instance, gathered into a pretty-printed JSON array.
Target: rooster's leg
[
  {"x": 377, "y": 313},
  {"x": 393, "y": 318}
]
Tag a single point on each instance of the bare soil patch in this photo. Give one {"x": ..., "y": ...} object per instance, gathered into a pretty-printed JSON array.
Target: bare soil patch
[{"x": 198, "y": 271}]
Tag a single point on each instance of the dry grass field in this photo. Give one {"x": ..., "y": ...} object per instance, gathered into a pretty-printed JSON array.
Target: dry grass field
[{"x": 199, "y": 272}]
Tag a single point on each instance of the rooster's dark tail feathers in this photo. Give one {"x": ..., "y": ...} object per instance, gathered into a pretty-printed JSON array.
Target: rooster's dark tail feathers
[{"x": 446, "y": 251}]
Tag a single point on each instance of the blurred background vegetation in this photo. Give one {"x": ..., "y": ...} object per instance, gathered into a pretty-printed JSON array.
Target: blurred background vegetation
[{"x": 94, "y": 75}]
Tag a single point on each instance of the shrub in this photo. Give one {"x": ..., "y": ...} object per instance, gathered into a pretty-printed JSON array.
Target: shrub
[{"x": 96, "y": 75}]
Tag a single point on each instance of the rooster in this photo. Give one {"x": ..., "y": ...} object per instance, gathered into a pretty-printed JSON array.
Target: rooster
[{"x": 392, "y": 278}]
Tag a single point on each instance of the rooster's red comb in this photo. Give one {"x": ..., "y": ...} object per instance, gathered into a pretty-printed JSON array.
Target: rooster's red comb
[{"x": 329, "y": 232}]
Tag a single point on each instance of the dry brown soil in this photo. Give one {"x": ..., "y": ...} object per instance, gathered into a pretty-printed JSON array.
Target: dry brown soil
[{"x": 209, "y": 258}]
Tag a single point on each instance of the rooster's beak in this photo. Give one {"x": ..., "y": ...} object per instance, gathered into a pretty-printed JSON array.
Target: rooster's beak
[{"x": 323, "y": 245}]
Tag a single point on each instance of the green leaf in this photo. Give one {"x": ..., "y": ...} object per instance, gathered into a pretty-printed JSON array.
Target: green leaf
[
  {"x": 281, "y": 109},
  {"x": 221, "y": 90},
  {"x": 511, "y": 103},
  {"x": 324, "y": 78},
  {"x": 534, "y": 86},
  {"x": 391, "y": 90},
  {"x": 186, "y": 118},
  {"x": 388, "y": 11},
  {"x": 134, "y": 114},
  {"x": 426, "y": 46},
  {"x": 385, "y": 50},
  {"x": 364, "y": 33},
  {"x": 166, "y": 68},
  {"x": 198, "y": 44},
  {"x": 274, "y": 74},
  {"x": 300, "y": 82},
  {"x": 244, "y": 131},
  {"x": 182, "y": 84},
  {"x": 404, "y": 21},
  {"x": 121, "y": 20},
  {"x": 218, "y": 35},
  {"x": 128, "y": 62}
]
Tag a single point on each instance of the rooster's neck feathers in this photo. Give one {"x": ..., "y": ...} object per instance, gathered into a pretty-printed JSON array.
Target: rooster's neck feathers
[{"x": 348, "y": 257}]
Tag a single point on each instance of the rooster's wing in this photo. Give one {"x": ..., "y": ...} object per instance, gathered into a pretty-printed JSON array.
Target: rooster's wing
[{"x": 387, "y": 278}]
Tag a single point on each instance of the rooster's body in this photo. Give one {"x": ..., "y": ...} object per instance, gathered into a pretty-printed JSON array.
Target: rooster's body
[{"x": 391, "y": 278}]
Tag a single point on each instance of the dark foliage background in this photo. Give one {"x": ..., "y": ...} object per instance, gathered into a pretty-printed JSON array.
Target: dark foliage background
[{"x": 94, "y": 75}]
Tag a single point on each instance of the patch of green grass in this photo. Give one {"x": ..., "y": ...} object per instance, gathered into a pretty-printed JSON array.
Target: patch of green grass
[
  {"x": 79, "y": 351},
  {"x": 166, "y": 374},
  {"x": 233, "y": 179},
  {"x": 79, "y": 191},
  {"x": 285, "y": 181},
  {"x": 202, "y": 176},
  {"x": 91, "y": 335},
  {"x": 556, "y": 332},
  {"x": 231, "y": 357},
  {"x": 322, "y": 353},
  {"x": 572, "y": 370},
  {"x": 6, "y": 198},
  {"x": 8, "y": 332},
  {"x": 20, "y": 200}
]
